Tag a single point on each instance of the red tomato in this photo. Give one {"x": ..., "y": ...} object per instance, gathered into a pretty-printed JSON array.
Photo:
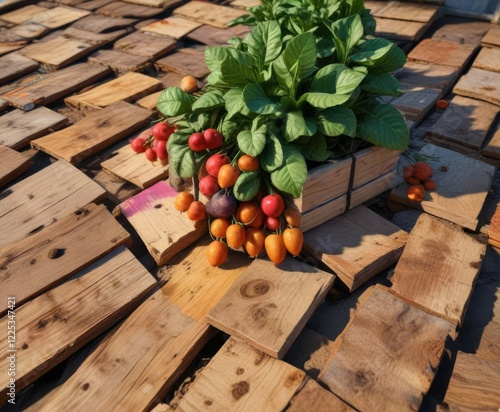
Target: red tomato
[
  {"x": 150, "y": 154},
  {"x": 162, "y": 131},
  {"x": 197, "y": 142},
  {"x": 208, "y": 186},
  {"x": 215, "y": 162},
  {"x": 138, "y": 145},
  {"x": 161, "y": 149},
  {"x": 272, "y": 223},
  {"x": 213, "y": 138},
  {"x": 272, "y": 205}
]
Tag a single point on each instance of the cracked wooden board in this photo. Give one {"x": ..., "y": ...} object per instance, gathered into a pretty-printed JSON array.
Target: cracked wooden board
[
  {"x": 97, "y": 131},
  {"x": 59, "y": 322},
  {"x": 12, "y": 164},
  {"x": 442, "y": 52},
  {"x": 47, "y": 258},
  {"x": 386, "y": 337},
  {"x": 145, "y": 44},
  {"x": 480, "y": 84},
  {"x": 15, "y": 65},
  {"x": 43, "y": 198},
  {"x": 269, "y": 305},
  {"x": 207, "y": 13},
  {"x": 488, "y": 59}
]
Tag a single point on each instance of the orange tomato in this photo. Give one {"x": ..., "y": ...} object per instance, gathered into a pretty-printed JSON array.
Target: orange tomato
[
  {"x": 292, "y": 216},
  {"x": 275, "y": 248},
  {"x": 218, "y": 227},
  {"x": 216, "y": 253},
  {"x": 293, "y": 239},
  {"x": 189, "y": 84},
  {"x": 254, "y": 241},
  {"x": 247, "y": 212},
  {"x": 235, "y": 236},
  {"x": 228, "y": 174},
  {"x": 196, "y": 211},
  {"x": 183, "y": 200},
  {"x": 416, "y": 193},
  {"x": 248, "y": 163},
  {"x": 259, "y": 220}
]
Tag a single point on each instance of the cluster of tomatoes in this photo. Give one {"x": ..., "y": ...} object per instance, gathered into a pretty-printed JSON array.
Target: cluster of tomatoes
[
  {"x": 418, "y": 176},
  {"x": 262, "y": 223},
  {"x": 153, "y": 142}
]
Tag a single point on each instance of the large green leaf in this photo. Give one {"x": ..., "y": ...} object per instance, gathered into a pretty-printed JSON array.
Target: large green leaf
[
  {"x": 370, "y": 52},
  {"x": 208, "y": 101},
  {"x": 301, "y": 49},
  {"x": 296, "y": 126},
  {"x": 251, "y": 143},
  {"x": 336, "y": 78},
  {"x": 257, "y": 100},
  {"x": 282, "y": 76},
  {"x": 264, "y": 42},
  {"x": 316, "y": 149},
  {"x": 290, "y": 177},
  {"x": 336, "y": 121},
  {"x": 181, "y": 158},
  {"x": 174, "y": 102},
  {"x": 272, "y": 156},
  {"x": 382, "y": 84},
  {"x": 247, "y": 186},
  {"x": 235, "y": 104},
  {"x": 383, "y": 125},
  {"x": 391, "y": 61},
  {"x": 231, "y": 67},
  {"x": 323, "y": 100},
  {"x": 346, "y": 33}
]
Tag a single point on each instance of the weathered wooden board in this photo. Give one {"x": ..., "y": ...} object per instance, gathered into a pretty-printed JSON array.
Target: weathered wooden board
[
  {"x": 208, "y": 13},
  {"x": 164, "y": 4},
  {"x": 175, "y": 27},
  {"x": 474, "y": 384},
  {"x": 119, "y": 62},
  {"x": 492, "y": 37},
  {"x": 480, "y": 84},
  {"x": 39, "y": 262},
  {"x": 460, "y": 194},
  {"x": 59, "y": 52},
  {"x": 123, "y": 9},
  {"x": 25, "y": 14},
  {"x": 163, "y": 229},
  {"x": 434, "y": 76},
  {"x": 469, "y": 31},
  {"x": 15, "y": 65},
  {"x": 442, "y": 52},
  {"x": 20, "y": 127},
  {"x": 245, "y": 3},
  {"x": 423, "y": 13},
  {"x": 213, "y": 36},
  {"x": 416, "y": 101},
  {"x": 465, "y": 121},
  {"x": 134, "y": 167},
  {"x": 61, "y": 321},
  {"x": 145, "y": 44},
  {"x": 58, "y": 16},
  {"x": 438, "y": 272},
  {"x": 47, "y": 88},
  {"x": 313, "y": 397},
  {"x": 494, "y": 229},
  {"x": 97, "y": 131},
  {"x": 96, "y": 23},
  {"x": 488, "y": 59},
  {"x": 129, "y": 87},
  {"x": 149, "y": 102},
  {"x": 30, "y": 30},
  {"x": 241, "y": 378},
  {"x": 492, "y": 149},
  {"x": 12, "y": 164},
  {"x": 185, "y": 61},
  {"x": 387, "y": 354},
  {"x": 269, "y": 305},
  {"x": 400, "y": 29},
  {"x": 88, "y": 37},
  {"x": 4, "y": 49},
  {"x": 157, "y": 342},
  {"x": 8, "y": 37},
  {"x": 43, "y": 198},
  {"x": 93, "y": 4},
  {"x": 356, "y": 245}
]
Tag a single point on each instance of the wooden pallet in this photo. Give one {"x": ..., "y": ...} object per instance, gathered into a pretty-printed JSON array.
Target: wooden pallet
[
  {"x": 480, "y": 84},
  {"x": 12, "y": 164}
]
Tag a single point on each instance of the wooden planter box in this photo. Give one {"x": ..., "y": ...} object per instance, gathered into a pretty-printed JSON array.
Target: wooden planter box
[{"x": 325, "y": 192}]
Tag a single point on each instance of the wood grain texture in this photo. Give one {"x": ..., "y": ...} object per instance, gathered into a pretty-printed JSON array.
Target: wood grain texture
[
  {"x": 423, "y": 13},
  {"x": 400, "y": 29},
  {"x": 88, "y": 37},
  {"x": 473, "y": 385},
  {"x": 12, "y": 164},
  {"x": 213, "y": 36},
  {"x": 123, "y": 9},
  {"x": 438, "y": 273},
  {"x": 61, "y": 321},
  {"x": 241, "y": 378},
  {"x": 24, "y": 14},
  {"x": 428, "y": 75},
  {"x": 175, "y": 27},
  {"x": 129, "y": 87},
  {"x": 469, "y": 31},
  {"x": 480, "y": 84},
  {"x": 492, "y": 37},
  {"x": 442, "y": 52},
  {"x": 15, "y": 65},
  {"x": 58, "y": 16},
  {"x": 269, "y": 305},
  {"x": 37, "y": 263},
  {"x": 145, "y": 44},
  {"x": 207, "y": 13},
  {"x": 186, "y": 62},
  {"x": 96, "y": 23},
  {"x": 488, "y": 59},
  {"x": 30, "y": 30},
  {"x": 460, "y": 195},
  {"x": 356, "y": 245},
  {"x": 387, "y": 354},
  {"x": 43, "y": 198},
  {"x": 95, "y": 132},
  {"x": 164, "y": 4},
  {"x": 163, "y": 229},
  {"x": 416, "y": 101},
  {"x": 119, "y": 62}
]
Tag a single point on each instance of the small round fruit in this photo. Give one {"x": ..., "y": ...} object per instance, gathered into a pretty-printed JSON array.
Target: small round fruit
[
  {"x": 189, "y": 84},
  {"x": 442, "y": 104},
  {"x": 218, "y": 227},
  {"x": 412, "y": 181},
  {"x": 248, "y": 163},
  {"x": 228, "y": 174},
  {"x": 254, "y": 241},
  {"x": 151, "y": 154},
  {"x": 161, "y": 149},
  {"x": 273, "y": 205},
  {"x": 183, "y": 200},
  {"x": 422, "y": 171},
  {"x": 196, "y": 211},
  {"x": 235, "y": 236},
  {"x": 213, "y": 139},
  {"x": 429, "y": 184},
  {"x": 162, "y": 131},
  {"x": 275, "y": 248},
  {"x": 292, "y": 216},
  {"x": 246, "y": 212},
  {"x": 416, "y": 193},
  {"x": 216, "y": 253},
  {"x": 272, "y": 223},
  {"x": 215, "y": 162},
  {"x": 208, "y": 186},
  {"x": 408, "y": 172},
  {"x": 138, "y": 145},
  {"x": 294, "y": 239},
  {"x": 196, "y": 142}
]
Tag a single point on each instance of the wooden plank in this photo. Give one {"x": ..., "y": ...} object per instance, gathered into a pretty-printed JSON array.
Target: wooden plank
[
  {"x": 416, "y": 101},
  {"x": 494, "y": 229},
  {"x": 43, "y": 198},
  {"x": 465, "y": 121},
  {"x": 213, "y": 36},
  {"x": 241, "y": 378},
  {"x": 175, "y": 27},
  {"x": 400, "y": 29},
  {"x": 123, "y": 9},
  {"x": 428, "y": 75},
  {"x": 479, "y": 84},
  {"x": 119, "y": 62},
  {"x": 96, "y": 23},
  {"x": 157, "y": 342},
  {"x": 164, "y": 4},
  {"x": 134, "y": 167},
  {"x": 8, "y": 37},
  {"x": 313, "y": 397},
  {"x": 356, "y": 245},
  {"x": 269, "y": 305},
  {"x": 438, "y": 273},
  {"x": 164, "y": 230},
  {"x": 469, "y": 31},
  {"x": 129, "y": 87},
  {"x": 93, "y": 4},
  {"x": 207, "y": 13},
  {"x": 39, "y": 262},
  {"x": 442, "y": 52},
  {"x": 88, "y": 37},
  {"x": 14, "y": 65},
  {"x": 492, "y": 37},
  {"x": 12, "y": 164},
  {"x": 21, "y": 127},
  {"x": 373, "y": 162},
  {"x": 488, "y": 59},
  {"x": 145, "y": 44},
  {"x": 58, "y": 16},
  {"x": 387, "y": 337},
  {"x": 473, "y": 385},
  {"x": 423, "y": 13},
  {"x": 97, "y": 131},
  {"x": 25, "y": 14},
  {"x": 47, "y": 88},
  {"x": 460, "y": 195},
  {"x": 4, "y": 49},
  {"x": 245, "y": 3},
  {"x": 30, "y": 30},
  {"x": 58, "y": 323},
  {"x": 185, "y": 61}
]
